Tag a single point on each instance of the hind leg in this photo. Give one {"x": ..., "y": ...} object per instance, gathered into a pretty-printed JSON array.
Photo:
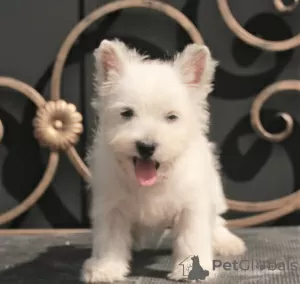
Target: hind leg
[{"x": 225, "y": 242}]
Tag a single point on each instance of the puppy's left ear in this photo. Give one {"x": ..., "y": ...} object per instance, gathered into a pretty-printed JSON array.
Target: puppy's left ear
[{"x": 196, "y": 66}]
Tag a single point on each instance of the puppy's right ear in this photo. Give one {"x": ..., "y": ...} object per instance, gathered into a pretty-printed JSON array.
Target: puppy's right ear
[{"x": 109, "y": 60}]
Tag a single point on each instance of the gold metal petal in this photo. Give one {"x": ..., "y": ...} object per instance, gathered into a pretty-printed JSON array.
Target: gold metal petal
[{"x": 72, "y": 107}]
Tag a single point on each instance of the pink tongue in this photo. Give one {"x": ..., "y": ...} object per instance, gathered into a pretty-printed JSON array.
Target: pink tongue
[{"x": 145, "y": 172}]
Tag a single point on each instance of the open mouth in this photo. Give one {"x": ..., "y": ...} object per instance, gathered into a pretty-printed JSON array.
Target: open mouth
[{"x": 145, "y": 171}]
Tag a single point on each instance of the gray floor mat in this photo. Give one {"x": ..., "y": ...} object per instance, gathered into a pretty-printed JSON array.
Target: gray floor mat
[{"x": 46, "y": 259}]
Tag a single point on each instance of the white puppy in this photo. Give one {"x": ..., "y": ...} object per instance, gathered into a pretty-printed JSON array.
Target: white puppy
[{"x": 151, "y": 162}]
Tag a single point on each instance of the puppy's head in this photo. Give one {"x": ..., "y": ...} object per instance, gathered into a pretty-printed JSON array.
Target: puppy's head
[{"x": 150, "y": 110}]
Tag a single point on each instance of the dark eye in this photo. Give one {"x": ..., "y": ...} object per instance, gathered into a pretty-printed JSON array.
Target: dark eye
[
  {"x": 128, "y": 113},
  {"x": 171, "y": 117}
]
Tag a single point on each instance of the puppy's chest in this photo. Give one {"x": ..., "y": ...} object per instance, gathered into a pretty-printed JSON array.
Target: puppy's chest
[{"x": 155, "y": 210}]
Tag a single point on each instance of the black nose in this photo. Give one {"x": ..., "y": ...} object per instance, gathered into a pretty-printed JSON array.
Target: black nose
[{"x": 145, "y": 149}]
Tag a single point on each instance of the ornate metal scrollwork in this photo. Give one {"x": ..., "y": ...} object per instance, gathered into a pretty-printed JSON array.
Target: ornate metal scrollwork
[
  {"x": 250, "y": 39},
  {"x": 53, "y": 160},
  {"x": 279, "y": 207},
  {"x": 58, "y": 124}
]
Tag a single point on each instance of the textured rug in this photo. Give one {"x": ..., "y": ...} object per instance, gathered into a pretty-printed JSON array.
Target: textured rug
[{"x": 273, "y": 256}]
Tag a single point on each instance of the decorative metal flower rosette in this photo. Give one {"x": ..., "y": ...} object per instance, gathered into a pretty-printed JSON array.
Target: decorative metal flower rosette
[{"x": 58, "y": 125}]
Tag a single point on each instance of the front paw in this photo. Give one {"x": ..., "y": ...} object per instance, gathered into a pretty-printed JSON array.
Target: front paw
[
  {"x": 227, "y": 244},
  {"x": 95, "y": 271}
]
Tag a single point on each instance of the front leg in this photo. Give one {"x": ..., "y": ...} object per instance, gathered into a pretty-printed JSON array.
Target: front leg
[
  {"x": 193, "y": 237},
  {"x": 111, "y": 250}
]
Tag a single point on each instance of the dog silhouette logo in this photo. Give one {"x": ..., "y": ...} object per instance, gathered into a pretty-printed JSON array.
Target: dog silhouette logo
[{"x": 192, "y": 268}]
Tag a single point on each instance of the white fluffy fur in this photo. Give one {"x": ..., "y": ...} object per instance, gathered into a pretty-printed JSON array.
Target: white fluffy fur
[{"x": 188, "y": 194}]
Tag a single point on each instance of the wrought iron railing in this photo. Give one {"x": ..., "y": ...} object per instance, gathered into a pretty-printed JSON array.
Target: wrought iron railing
[{"x": 58, "y": 124}]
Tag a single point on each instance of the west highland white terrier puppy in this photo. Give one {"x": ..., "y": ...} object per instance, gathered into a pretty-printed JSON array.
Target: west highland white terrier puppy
[{"x": 151, "y": 161}]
